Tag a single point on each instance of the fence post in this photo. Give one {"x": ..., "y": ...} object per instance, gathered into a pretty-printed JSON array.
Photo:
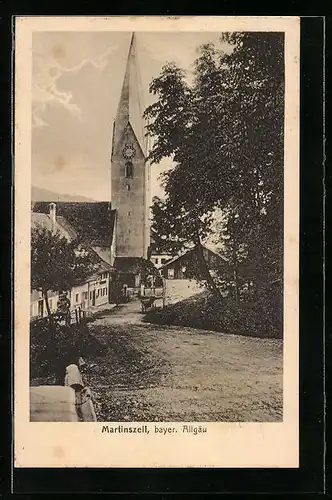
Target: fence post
[{"x": 76, "y": 316}]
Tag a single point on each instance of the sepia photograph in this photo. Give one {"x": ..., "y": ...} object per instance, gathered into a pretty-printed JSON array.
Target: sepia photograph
[{"x": 156, "y": 245}]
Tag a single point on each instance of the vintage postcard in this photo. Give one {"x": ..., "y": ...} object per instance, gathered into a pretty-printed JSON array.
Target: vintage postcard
[{"x": 156, "y": 241}]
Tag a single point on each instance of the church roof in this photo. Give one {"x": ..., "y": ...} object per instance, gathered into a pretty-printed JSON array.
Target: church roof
[
  {"x": 92, "y": 222},
  {"x": 130, "y": 108}
]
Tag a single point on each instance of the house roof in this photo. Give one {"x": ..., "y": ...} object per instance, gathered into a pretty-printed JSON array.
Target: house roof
[
  {"x": 61, "y": 225},
  {"x": 187, "y": 251},
  {"x": 41, "y": 220},
  {"x": 79, "y": 215},
  {"x": 103, "y": 268},
  {"x": 93, "y": 223}
]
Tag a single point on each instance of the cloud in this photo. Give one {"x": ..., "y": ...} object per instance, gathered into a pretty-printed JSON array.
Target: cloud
[{"x": 46, "y": 89}]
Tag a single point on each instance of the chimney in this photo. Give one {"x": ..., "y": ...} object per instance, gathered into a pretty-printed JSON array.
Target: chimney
[{"x": 53, "y": 215}]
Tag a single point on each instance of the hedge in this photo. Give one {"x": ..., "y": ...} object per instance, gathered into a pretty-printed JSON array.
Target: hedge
[{"x": 204, "y": 311}]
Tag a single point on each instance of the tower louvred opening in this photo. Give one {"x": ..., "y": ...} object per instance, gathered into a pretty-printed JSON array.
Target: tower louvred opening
[{"x": 129, "y": 170}]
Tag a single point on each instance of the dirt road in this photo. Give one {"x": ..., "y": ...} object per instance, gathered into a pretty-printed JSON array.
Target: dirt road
[{"x": 154, "y": 373}]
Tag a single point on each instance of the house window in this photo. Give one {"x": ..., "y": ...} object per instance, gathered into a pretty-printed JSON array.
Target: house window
[
  {"x": 129, "y": 170},
  {"x": 76, "y": 298},
  {"x": 163, "y": 261},
  {"x": 157, "y": 260},
  {"x": 50, "y": 303},
  {"x": 90, "y": 295},
  {"x": 85, "y": 295},
  {"x": 128, "y": 187}
]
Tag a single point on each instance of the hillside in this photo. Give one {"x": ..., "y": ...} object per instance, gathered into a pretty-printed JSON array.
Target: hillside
[{"x": 41, "y": 194}]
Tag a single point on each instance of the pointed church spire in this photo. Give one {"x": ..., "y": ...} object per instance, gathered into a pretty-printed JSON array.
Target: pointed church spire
[
  {"x": 130, "y": 108},
  {"x": 133, "y": 38}
]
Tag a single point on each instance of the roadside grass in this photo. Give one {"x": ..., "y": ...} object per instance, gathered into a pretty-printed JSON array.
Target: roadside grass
[{"x": 53, "y": 347}]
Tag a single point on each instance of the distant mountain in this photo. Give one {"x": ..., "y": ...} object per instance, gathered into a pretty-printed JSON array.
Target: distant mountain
[{"x": 40, "y": 194}]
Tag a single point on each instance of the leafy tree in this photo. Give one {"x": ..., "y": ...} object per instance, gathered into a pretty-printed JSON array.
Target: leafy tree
[
  {"x": 167, "y": 242},
  {"x": 234, "y": 251},
  {"x": 58, "y": 264},
  {"x": 225, "y": 136}
]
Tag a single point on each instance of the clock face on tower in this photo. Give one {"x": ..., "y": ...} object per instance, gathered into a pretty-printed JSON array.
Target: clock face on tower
[{"x": 128, "y": 151}]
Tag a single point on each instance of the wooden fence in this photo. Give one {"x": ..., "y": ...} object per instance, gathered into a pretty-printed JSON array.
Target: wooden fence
[{"x": 75, "y": 316}]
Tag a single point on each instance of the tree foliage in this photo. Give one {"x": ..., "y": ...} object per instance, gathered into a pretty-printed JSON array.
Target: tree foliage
[
  {"x": 58, "y": 264},
  {"x": 224, "y": 133}
]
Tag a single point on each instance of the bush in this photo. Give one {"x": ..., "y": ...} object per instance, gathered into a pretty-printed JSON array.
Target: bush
[
  {"x": 204, "y": 311},
  {"x": 199, "y": 311},
  {"x": 53, "y": 347}
]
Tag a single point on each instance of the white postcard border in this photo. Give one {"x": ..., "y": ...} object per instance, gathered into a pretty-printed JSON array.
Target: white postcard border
[{"x": 225, "y": 444}]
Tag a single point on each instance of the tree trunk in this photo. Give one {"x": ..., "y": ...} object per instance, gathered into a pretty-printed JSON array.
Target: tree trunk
[
  {"x": 49, "y": 314},
  {"x": 236, "y": 276},
  {"x": 45, "y": 295},
  {"x": 205, "y": 270}
]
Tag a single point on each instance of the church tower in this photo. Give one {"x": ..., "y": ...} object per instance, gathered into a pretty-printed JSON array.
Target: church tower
[{"x": 130, "y": 176}]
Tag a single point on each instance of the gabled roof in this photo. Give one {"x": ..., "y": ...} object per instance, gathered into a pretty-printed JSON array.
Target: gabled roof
[
  {"x": 61, "y": 225},
  {"x": 93, "y": 222},
  {"x": 103, "y": 267},
  {"x": 66, "y": 230},
  {"x": 186, "y": 252},
  {"x": 130, "y": 108}
]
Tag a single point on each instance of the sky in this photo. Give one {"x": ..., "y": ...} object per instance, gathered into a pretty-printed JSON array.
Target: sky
[{"x": 77, "y": 79}]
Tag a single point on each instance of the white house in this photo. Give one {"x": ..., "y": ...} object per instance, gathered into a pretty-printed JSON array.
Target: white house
[{"x": 159, "y": 259}]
